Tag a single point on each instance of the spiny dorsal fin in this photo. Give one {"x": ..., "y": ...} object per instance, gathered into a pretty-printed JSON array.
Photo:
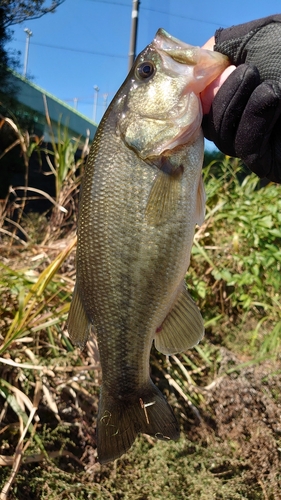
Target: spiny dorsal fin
[
  {"x": 182, "y": 328},
  {"x": 78, "y": 323}
]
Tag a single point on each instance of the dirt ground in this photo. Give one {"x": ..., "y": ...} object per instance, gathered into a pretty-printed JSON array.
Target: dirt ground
[
  {"x": 230, "y": 449},
  {"x": 245, "y": 410},
  {"x": 236, "y": 441}
]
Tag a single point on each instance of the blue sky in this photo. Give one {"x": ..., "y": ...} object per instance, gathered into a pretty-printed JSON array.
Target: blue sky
[{"x": 85, "y": 43}]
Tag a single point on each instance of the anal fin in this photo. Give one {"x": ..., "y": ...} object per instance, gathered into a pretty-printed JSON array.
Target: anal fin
[
  {"x": 78, "y": 323},
  {"x": 182, "y": 328}
]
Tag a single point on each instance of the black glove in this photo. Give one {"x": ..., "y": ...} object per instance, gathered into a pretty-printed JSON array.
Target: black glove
[{"x": 245, "y": 116}]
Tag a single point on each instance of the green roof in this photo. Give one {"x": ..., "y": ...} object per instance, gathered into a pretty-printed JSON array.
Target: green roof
[{"x": 32, "y": 96}]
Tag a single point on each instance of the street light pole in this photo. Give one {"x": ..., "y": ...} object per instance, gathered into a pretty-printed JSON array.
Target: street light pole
[
  {"x": 134, "y": 28},
  {"x": 95, "y": 102},
  {"x": 28, "y": 35},
  {"x": 105, "y": 96}
]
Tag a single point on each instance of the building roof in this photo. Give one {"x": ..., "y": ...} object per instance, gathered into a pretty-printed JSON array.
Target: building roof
[{"x": 61, "y": 114}]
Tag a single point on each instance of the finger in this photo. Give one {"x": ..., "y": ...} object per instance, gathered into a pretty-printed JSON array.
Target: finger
[
  {"x": 209, "y": 45},
  {"x": 258, "y": 135},
  {"x": 207, "y": 96}
]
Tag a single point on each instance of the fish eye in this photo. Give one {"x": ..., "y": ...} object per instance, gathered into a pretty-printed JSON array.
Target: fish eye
[{"x": 145, "y": 70}]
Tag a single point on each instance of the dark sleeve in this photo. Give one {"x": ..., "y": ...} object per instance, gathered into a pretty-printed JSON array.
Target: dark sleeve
[{"x": 257, "y": 43}]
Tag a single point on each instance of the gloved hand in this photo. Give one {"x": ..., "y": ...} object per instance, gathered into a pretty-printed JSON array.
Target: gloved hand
[{"x": 245, "y": 115}]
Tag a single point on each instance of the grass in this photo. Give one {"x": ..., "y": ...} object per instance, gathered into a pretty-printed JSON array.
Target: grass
[
  {"x": 237, "y": 253},
  {"x": 225, "y": 391}
]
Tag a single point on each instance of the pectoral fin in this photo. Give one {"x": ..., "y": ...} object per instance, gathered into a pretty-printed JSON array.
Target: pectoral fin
[
  {"x": 182, "y": 328},
  {"x": 163, "y": 197},
  {"x": 78, "y": 323}
]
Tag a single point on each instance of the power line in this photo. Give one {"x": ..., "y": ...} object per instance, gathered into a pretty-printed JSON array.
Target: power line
[
  {"x": 163, "y": 12},
  {"x": 186, "y": 17},
  {"x": 111, "y": 3},
  {"x": 71, "y": 49}
]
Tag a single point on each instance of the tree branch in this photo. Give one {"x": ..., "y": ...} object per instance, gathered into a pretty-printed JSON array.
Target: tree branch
[{"x": 17, "y": 11}]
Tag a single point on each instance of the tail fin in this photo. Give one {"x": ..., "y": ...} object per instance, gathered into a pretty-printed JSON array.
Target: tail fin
[{"x": 120, "y": 420}]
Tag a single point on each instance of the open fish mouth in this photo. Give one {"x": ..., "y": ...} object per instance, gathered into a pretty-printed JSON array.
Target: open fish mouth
[
  {"x": 178, "y": 52},
  {"x": 207, "y": 64}
]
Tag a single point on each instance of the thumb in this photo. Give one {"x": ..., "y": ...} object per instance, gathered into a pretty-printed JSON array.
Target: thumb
[{"x": 209, "y": 92}]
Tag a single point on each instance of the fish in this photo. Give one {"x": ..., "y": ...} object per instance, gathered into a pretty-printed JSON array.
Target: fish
[{"x": 142, "y": 195}]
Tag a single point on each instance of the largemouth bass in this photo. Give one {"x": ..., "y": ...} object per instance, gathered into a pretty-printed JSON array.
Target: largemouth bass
[{"x": 142, "y": 196}]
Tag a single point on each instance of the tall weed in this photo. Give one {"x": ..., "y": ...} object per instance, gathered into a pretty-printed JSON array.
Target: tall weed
[
  {"x": 67, "y": 169},
  {"x": 236, "y": 258},
  {"x": 65, "y": 158}
]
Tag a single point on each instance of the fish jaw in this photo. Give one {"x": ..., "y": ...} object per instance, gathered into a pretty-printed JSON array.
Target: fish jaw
[
  {"x": 207, "y": 64},
  {"x": 164, "y": 110}
]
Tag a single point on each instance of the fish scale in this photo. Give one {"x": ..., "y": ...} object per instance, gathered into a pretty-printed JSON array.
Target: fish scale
[{"x": 142, "y": 196}]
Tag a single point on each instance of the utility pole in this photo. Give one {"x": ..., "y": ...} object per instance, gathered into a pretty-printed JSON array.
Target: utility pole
[
  {"x": 28, "y": 35},
  {"x": 95, "y": 102},
  {"x": 134, "y": 29}
]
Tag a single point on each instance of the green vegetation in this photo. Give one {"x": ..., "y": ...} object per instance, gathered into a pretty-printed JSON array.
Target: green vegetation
[{"x": 225, "y": 391}]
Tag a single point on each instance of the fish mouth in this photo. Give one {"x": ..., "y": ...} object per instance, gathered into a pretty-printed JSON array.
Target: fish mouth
[
  {"x": 179, "y": 51},
  {"x": 206, "y": 65}
]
